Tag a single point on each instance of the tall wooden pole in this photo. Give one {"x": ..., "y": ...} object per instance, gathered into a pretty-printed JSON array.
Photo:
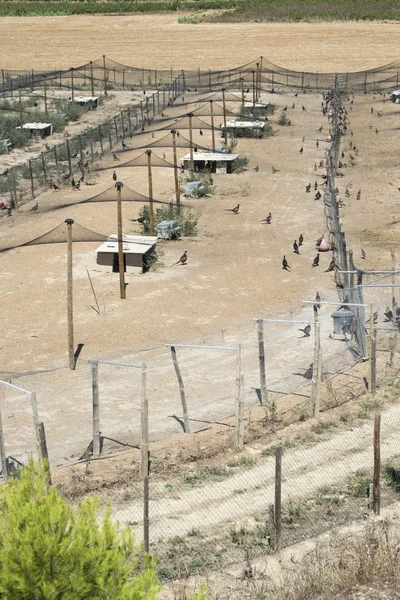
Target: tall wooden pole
[
  {"x": 150, "y": 177},
  {"x": 105, "y": 75},
  {"x": 377, "y": 464},
  {"x": 224, "y": 107},
  {"x": 91, "y": 76},
  {"x": 45, "y": 94},
  {"x": 177, "y": 188},
  {"x": 393, "y": 282},
  {"x": 72, "y": 83},
  {"x": 20, "y": 107},
  {"x": 242, "y": 90},
  {"x": 254, "y": 89},
  {"x": 70, "y": 313},
  {"x": 121, "y": 263},
  {"x": 212, "y": 125},
  {"x": 257, "y": 80},
  {"x": 261, "y": 362},
  {"x": 261, "y": 66},
  {"x": 190, "y": 115}
]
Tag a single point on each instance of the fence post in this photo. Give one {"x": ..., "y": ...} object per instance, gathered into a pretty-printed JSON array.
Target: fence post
[
  {"x": 69, "y": 157},
  {"x": 3, "y": 457},
  {"x": 261, "y": 362},
  {"x": 105, "y": 75},
  {"x": 116, "y": 128},
  {"x": 128, "y": 112},
  {"x": 101, "y": 141},
  {"x": 31, "y": 175},
  {"x": 144, "y": 459},
  {"x": 372, "y": 352},
  {"x": 14, "y": 184},
  {"x": 109, "y": 134},
  {"x": 56, "y": 161},
  {"x": 393, "y": 281},
  {"x": 96, "y": 407},
  {"x": 181, "y": 390},
  {"x": 44, "y": 167},
  {"x": 44, "y": 452},
  {"x": 377, "y": 464},
  {"x": 317, "y": 368},
  {"x": 278, "y": 500}
]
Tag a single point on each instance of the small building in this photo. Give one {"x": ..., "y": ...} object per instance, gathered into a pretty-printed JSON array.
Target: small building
[
  {"x": 38, "y": 129},
  {"x": 89, "y": 102},
  {"x": 232, "y": 125},
  {"x": 211, "y": 162},
  {"x": 136, "y": 250},
  {"x": 396, "y": 96}
]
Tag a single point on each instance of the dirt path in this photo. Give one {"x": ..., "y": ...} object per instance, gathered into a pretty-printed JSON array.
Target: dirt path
[
  {"x": 251, "y": 491},
  {"x": 158, "y": 41}
]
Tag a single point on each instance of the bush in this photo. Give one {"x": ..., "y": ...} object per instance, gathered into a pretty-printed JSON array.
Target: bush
[
  {"x": 49, "y": 550},
  {"x": 239, "y": 165},
  {"x": 206, "y": 188},
  {"x": 283, "y": 119},
  {"x": 188, "y": 20},
  {"x": 186, "y": 220}
]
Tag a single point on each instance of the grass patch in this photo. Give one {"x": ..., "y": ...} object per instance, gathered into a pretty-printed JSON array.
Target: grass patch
[
  {"x": 188, "y": 20},
  {"x": 322, "y": 426},
  {"x": 283, "y": 119},
  {"x": 240, "y": 164}
]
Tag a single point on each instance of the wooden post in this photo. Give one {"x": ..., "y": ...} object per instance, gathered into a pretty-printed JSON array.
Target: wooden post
[
  {"x": 254, "y": 89},
  {"x": 31, "y": 175},
  {"x": 105, "y": 75},
  {"x": 121, "y": 262},
  {"x": 360, "y": 291},
  {"x": 20, "y": 108},
  {"x": 147, "y": 110},
  {"x": 240, "y": 415},
  {"x": 372, "y": 352},
  {"x": 190, "y": 115},
  {"x": 141, "y": 112},
  {"x": 257, "y": 81},
  {"x": 317, "y": 368},
  {"x": 44, "y": 167},
  {"x": 96, "y": 407},
  {"x": 144, "y": 462},
  {"x": 377, "y": 464},
  {"x": 56, "y": 161},
  {"x": 70, "y": 313},
  {"x": 212, "y": 125},
  {"x": 109, "y": 134},
  {"x": 224, "y": 107},
  {"x": 35, "y": 418},
  {"x": 393, "y": 282},
  {"x": 91, "y": 77},
  {"x": 69, "y": 157},
  {"x": 154, "y": 105},
  {"x": 261, "y": 67},
  {"x": 45, "y": 94},
  {"x": 278, "y": 500},
  {"x": 72, "y": 84},
  {"x": 123, "y": 124},
  {"x": 80, "y": 150},
  {"x": 177, "y": 188},
  {"x": 181, "y": 390},
  {"x": 116, "y": 128},
  {"x": 242, "y": 90},
  {"x": 128, "y": 112},
  {"x": 150, "y": 178},
  {"x": 261, "y": 362},
  {"x": 14, "y": 184},
  {"x": 44, "y": 452},
  {"x": 3, "y": 456}
]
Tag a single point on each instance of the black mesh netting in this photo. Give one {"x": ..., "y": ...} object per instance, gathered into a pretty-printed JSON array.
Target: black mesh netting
[{"x": 142, "y": 161}]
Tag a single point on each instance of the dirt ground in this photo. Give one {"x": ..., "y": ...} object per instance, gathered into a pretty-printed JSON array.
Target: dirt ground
[{"x": 158, "y": 41}]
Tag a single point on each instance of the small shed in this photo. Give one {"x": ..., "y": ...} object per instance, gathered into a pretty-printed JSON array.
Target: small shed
[
  {"x": 136, "y": 249},
  {"x": 258, "y": 104},
  {"x": 89, "y": 102},
  {"x": 396, "y": 96},
  {"x": 232, "y": 125},
  {"x": 38, "y": 129},
  {"x": 211, "y": 162}
]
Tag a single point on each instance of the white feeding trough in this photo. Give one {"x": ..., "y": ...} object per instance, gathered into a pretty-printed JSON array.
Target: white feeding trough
[
  {"x": 89, "y": 102},
  {"x": 38, "y": 129},
  {"x": 244, "y": 125},
  {"x": 210, "y": 162}
]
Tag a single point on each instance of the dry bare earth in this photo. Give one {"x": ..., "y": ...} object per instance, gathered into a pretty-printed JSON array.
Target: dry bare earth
[{"x": 158, "y": 41}]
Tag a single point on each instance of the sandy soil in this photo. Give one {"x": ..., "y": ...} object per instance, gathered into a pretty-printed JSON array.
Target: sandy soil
[{"x": 158, "y": 41}]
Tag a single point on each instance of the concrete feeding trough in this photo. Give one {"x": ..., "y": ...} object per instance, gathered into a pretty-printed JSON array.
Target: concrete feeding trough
[
  {"x": 38, "y": 129},
  {"x": 89, "y": 102},
  {"x": 342, "y": 320},
  {"x": 232, "y": 125},
  {"x": 396, "y": 96},
  {"x": 258, "y": 104},
  {"x": 136, "y": 249},
  {"x": 210, "y": 162}
]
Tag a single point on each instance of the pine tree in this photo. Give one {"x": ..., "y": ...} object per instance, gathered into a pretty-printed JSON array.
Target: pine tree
[{"x": 49, "y": 551}]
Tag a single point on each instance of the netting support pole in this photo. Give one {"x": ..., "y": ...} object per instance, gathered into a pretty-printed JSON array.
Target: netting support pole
[
  {"x": 212, "y": 125},
  {"x": 31, "y": 176},
  {"x": 105, "y": 75},
  {"x": 72, "y": 84},
  {"x": 190, "y": 115},
  {"x": 176, "y": 178},
  {"x": 150, "y": 179},
  {"x": 121, "y": 261},
  {"x": 145, "y": 462},
  {"x": 70, "y": 314},
  {"x": 45, "y": 94},
  {"x": 91, "y": 77},
  {"x": 242, "y": 90},
  {"x": 20, "y": 108},
  {"x": 224, "y": 107},
  {"x": 181, "y": 390},
  {"x": 3, "y": 457},
  {"x": 96, "y": 408}
]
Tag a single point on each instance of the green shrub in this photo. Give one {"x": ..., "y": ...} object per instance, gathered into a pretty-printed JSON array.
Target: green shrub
[
  {"x": 187, "y": 221},
  {"x": 240, "y": 164},
  {"x": 49, "y": 550},
  {"x": 206, "y": 189},
  {"x": 283, "y": 119},
  {"x": 188, "y": 20}
]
